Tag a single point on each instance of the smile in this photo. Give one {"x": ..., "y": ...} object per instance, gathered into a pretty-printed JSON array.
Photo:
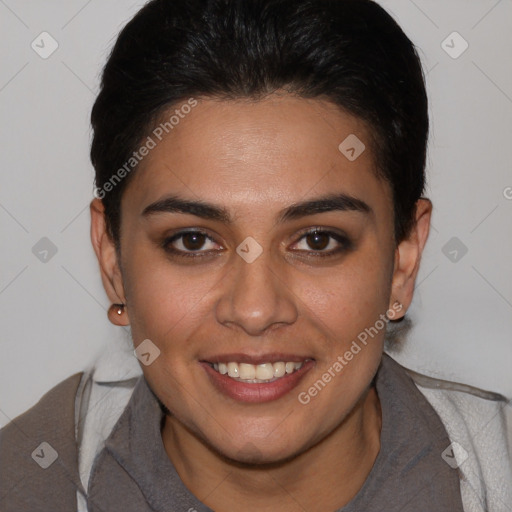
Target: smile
[
  {"x": 257, "y": 373},
  {"x": 244, "y": 381}
]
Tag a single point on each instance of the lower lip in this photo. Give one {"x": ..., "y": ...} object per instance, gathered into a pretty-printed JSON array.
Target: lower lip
[{"x": 257, "y": 392}]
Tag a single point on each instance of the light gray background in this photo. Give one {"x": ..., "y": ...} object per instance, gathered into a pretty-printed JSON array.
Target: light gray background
[{"x": 53, "y": 314}]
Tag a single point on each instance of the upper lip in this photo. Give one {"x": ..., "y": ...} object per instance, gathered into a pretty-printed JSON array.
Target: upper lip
[{"x": 256, "y": 358}]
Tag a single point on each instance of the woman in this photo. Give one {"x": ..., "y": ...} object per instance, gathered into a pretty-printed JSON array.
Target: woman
[{"x": 258, "y": 223}]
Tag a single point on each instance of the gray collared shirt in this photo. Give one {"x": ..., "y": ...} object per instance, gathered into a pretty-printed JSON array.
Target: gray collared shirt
[{"x": 134, "y": 473}]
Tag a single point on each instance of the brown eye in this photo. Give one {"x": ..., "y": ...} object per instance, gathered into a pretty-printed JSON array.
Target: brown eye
[
  {"x": 318, "y": 240},
  {"x": 193, "y": 241},
  {"x": 323, "y": 243},
  {"x": 190, "y": 243}
]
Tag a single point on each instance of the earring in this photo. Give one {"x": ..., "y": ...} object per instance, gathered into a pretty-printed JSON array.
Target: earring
[
  {"x": 115, "y": 314},
  {"x": 117, "y": 308}
]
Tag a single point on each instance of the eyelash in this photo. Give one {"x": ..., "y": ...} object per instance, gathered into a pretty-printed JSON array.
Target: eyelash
[{"x": 345, "y": 243}]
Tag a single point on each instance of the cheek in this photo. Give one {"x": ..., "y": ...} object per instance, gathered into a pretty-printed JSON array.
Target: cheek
[
  {"x": 166, "y": 301},
  {"x": 347, "y": 309},
  {"x": 352, "y": 296}
]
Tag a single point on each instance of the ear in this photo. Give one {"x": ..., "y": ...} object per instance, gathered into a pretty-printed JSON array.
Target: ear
[
  {"x": 105, "y": 250},
  {"x": 408, "y": 256}
]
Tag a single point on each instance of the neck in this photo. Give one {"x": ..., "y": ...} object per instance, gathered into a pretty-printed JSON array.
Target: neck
[{"x": 324, "y": 477}]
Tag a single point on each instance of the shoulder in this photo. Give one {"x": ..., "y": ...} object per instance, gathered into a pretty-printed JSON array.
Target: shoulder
[
  {"x": 478, "y": 423},
  {"x": 45, "y": 417},
  {"x": 38, "y": 453},
  {"x": 473, "y": 408}
]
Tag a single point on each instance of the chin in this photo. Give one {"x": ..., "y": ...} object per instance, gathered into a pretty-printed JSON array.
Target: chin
[{"x": 259, "y": 453}]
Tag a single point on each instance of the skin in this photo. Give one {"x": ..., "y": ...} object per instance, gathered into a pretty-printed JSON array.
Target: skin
[{"x": 255, "y": 158}]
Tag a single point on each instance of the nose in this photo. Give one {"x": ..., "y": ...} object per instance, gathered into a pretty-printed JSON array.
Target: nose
[{"x": 256, "y": 297}]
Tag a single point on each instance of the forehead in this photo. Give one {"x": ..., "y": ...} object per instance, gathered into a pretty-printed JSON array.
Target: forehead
[{"x": 246, "y": 153}]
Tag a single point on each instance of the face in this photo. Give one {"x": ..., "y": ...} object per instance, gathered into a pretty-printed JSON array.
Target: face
[{"x": 250, "y": 244}]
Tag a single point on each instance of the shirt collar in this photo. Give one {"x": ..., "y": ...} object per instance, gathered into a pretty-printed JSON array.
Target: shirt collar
[{"x": 117, "y": 363}]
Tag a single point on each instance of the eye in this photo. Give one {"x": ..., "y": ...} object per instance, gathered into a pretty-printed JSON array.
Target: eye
[
  {"x": 196, "y": 243},
  {"x": 189, "y": 244},
  {"x": 323, "y": 243}
]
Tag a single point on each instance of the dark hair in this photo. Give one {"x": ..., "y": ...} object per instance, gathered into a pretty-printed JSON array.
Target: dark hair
[{"x": 350, "y": 52}]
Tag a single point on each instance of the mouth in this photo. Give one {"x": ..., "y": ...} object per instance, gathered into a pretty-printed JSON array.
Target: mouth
[
  {"x": 258, "y": 373},
  {"x": 258, "y": 381}
]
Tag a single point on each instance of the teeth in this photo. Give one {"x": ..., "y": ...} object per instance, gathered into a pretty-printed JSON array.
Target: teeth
[
  {"x": 233, "y": 370},
  {"x": 257, "y": 373},
  {"x": 265, "y": 371},
  {"x": 279, "y": 369},
  {"x": 247, "y": 371},
  {"x": 290, "y": 367}
]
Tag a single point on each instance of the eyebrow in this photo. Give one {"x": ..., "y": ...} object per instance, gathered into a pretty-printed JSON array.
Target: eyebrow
[{"x": 329, "y": 203}]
